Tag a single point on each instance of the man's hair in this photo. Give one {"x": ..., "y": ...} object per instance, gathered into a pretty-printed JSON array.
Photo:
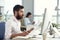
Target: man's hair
[
  {"x": 17, "y": 8},
  {"x": 29, "y": 13}
]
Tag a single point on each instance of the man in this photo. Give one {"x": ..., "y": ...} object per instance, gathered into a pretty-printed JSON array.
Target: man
[{"x": 13, "y": 25}]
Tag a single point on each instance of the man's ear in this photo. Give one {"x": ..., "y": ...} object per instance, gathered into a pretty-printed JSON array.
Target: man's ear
[{"x": 15, "y": 12}]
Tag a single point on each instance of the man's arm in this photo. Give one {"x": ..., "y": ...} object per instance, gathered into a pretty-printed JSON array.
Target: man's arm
[{"x": 21, "y": 34}]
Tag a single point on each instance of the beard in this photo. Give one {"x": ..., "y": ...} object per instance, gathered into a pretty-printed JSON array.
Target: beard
[{"x": 18, "y": 17}]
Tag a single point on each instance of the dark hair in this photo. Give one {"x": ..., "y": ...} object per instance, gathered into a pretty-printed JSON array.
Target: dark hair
[
  {"x": 29, "y": 13},
  {"x": 17, "y": 8}
]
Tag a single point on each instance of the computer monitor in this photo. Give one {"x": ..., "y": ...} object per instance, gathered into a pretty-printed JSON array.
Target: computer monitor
[{"x": 46, "y": 19}]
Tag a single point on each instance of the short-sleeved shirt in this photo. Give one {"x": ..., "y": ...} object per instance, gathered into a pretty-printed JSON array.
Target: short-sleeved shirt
[{"x": 12, "y": 27}]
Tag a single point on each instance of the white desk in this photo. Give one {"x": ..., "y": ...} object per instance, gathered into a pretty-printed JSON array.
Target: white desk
[
  {"x": 27, "y": 38},
  {"x": 38, "y": 37}
]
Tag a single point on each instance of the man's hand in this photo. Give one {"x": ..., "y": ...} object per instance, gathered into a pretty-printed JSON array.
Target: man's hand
[
  {"x": 30, "y": 30},
  {"x": 33, "y": 22},
  {"x": 26, "y": 32}
]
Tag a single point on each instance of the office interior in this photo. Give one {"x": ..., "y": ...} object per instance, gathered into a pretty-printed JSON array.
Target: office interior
[{"x": 38, "y": 8}]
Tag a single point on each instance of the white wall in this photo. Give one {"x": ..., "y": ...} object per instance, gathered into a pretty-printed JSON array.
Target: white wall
[
  {"x": 1, "y": 2},
  {"x": 9, "y": 4}
]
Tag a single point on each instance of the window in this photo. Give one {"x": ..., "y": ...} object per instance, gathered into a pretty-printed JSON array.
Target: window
[{"x": 40, "y": 5}]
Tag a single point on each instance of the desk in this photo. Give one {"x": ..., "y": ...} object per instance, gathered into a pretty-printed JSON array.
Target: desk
[
  {"x": 49, "y": 38},
  {"x": 28, "y": 38},
  {"x": 38, "y": 37}
]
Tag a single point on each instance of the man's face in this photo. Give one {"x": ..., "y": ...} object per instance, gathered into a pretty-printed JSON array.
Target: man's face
[{"x": 20, "y": 14}]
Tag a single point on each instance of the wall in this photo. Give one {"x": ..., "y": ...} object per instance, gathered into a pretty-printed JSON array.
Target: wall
[
  {"x": 28, "y": 6},
  {"x": 9, "y": 4},
  {"x": 1, "y": 2}
]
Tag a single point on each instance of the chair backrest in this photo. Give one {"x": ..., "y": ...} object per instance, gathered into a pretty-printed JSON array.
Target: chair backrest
[{"x": 2, "y": 30}]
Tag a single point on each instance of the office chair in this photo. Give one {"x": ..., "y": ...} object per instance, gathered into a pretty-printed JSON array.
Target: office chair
[{"x": 2, "y": 30}]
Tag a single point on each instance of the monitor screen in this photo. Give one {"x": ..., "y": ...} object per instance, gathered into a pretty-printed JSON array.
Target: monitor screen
[{"x": 46, "y": 19}]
